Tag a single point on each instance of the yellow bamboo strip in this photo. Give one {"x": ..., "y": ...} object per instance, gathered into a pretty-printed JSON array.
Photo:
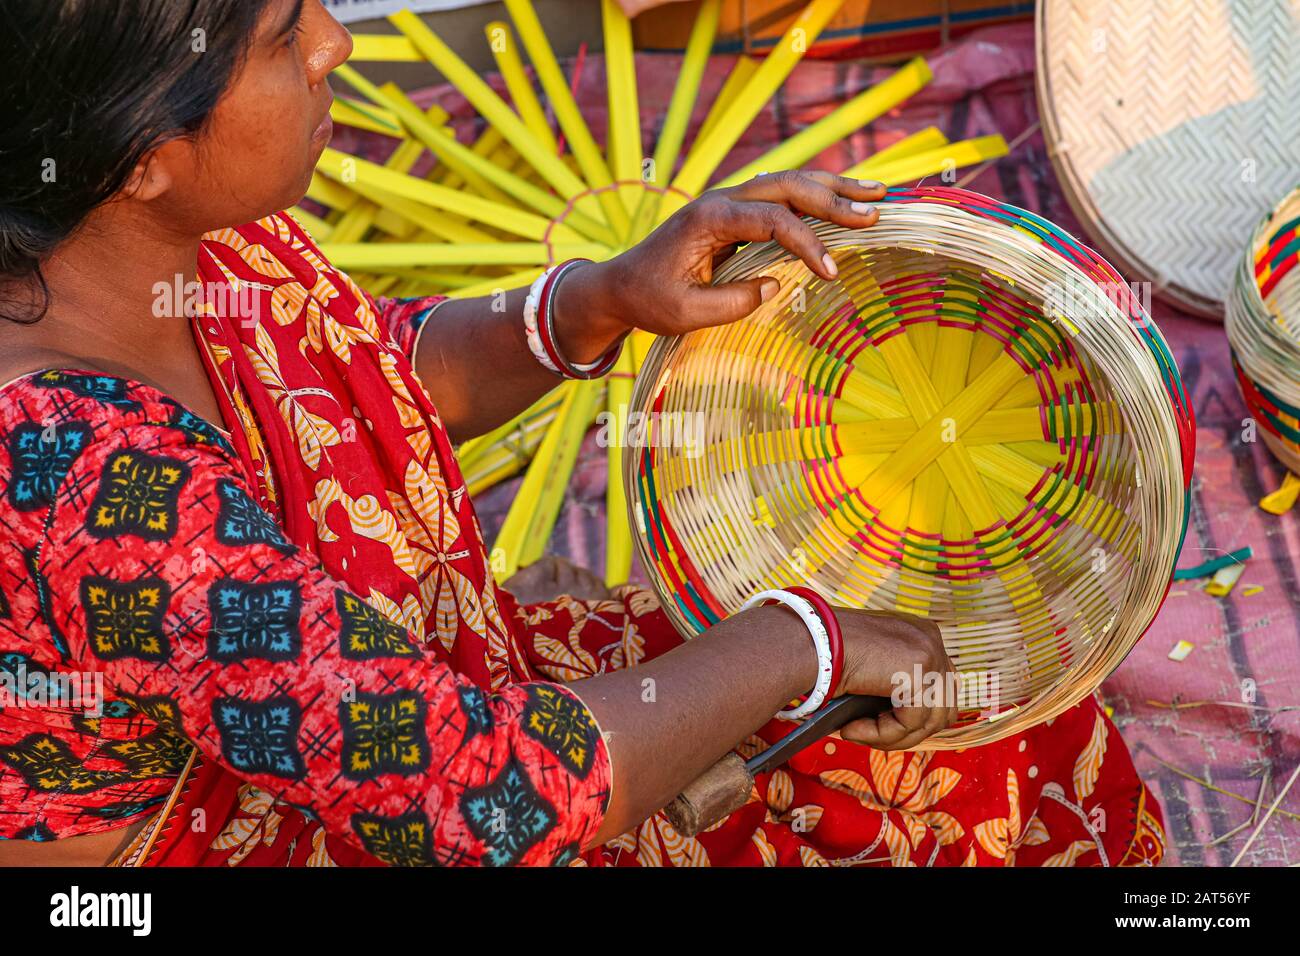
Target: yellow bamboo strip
[
  {"x": 364, "y": 116},
  {"x": 705, "y": 155},
  {"x": 840, "y": 413},
  {"x": 443, "y": 144},
  {"x": 434, "y": 223},
  {"x": 414, "y": 255},
  {"x": 932, "y": 162},
  {"x": 869, "y": 362},
  {"x": 984, "y": 351},
  {"x": 452, "y": 280},
  {"x": 998, "y": 426},
  {"x": 383, "y": 49},
  {"x": 509, "y": 543},
  {"x": 929, "y": 138},
  {"x": 357, "y": 221},
  {"x": 933, "y": 430},
  {"x": 532, "y": 515},
  {"x": 842, "y": 122},
  {"x": 327, "y": 192},
  {"x": 484, "y": 479},
  {"x": 1044, "y": 453},
  {"x": 512, "y": 280},
  {"x": 922, "y": 337},
  {"x": 742, "y": 71},
  {"x": 948, "y": 367},
  {"x": 1004, "y": 467},
  {"x": 957, "y": 527},
  {"x": 640, "y": 341},
  {"x": 579, "y": 138},
  {"x": 473, "y": 167},
  {"x": 381, "y": 285},
  {"x": 624, "y": 110},
  {"x": 484, "y": 99},
  {"x": 489, "y": 145},
  {"x": 950, "y": 358},
  {"x": 618, "y": 534},
  {"x": 678, "y": 118},
  {"x": 342, "y": 167},
  {"x": 399, "y": 228},
  {"x": 873, "y": 397},
  {"x": 316, "y": 227},
  {"x": 511, "y": 67}
]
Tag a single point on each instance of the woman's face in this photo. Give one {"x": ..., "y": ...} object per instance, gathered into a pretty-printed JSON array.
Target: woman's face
[{"x": 258, "y": 150}]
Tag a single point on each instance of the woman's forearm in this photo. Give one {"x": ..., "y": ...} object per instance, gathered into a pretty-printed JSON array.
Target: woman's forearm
[
  {"x": 667, "y": 721},
  {"x": 475, "y": 362}
]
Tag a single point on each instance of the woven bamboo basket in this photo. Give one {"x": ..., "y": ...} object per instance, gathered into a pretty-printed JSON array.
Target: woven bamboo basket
[
  {"x": 1263, "y": 326},
  {"x": 972, "y": 423},
  {"x": 1173, "y": 128}
]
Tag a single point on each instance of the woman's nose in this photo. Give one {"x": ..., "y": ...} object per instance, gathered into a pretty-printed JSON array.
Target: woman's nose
[{"x": 332, "y": 46}]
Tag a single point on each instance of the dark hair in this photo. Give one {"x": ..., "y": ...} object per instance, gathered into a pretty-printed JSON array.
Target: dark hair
[{"x": 87, "y": 89}]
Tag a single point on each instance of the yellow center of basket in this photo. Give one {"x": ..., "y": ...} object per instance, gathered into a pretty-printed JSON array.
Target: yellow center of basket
[{"x": 913, "y": 436}]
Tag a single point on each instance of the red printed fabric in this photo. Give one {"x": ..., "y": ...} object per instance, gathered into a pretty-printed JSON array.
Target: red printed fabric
[
  {"x": 1063, "y": 794},
  {"x": 135, "y": 549}
]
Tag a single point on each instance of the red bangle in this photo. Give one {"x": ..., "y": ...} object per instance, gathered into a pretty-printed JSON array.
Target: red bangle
[
  {"x": 833, "y": 633},
  {"x": 546, "y": 331}
]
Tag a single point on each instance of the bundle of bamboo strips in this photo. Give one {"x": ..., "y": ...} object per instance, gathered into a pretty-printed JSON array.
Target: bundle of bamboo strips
[{"x": 492, "y": 215}]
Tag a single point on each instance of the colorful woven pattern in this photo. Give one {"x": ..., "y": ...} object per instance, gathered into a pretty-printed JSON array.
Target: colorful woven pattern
[
  {"x": 1263, "y": 324},
  {"x": 976, "y": 422}
]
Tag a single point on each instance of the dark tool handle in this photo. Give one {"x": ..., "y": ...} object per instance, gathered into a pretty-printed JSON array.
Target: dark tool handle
[
  {"x": 829, "y": 719},
  {"x": 725, "y": 786}
]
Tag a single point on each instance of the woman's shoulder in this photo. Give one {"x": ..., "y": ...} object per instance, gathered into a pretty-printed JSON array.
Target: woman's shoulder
[
  {"x": 51, "y": 418},
  {"x": 66, "y": 392}
]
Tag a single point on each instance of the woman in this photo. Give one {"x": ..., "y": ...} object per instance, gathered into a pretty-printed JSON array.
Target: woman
[{"x": 304, "y": 654}]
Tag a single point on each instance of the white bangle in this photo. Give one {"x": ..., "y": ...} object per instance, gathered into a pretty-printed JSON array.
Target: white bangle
[
  {"x": 531, "y": 330},
  {"x": 821, "y": 642},
  {"x": 539, "y": 327}
]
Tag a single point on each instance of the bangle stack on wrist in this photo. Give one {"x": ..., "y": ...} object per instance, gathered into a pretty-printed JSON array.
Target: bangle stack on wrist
[
  {"x": 539, "y": 326},
  {"x": 824, "y": 629}
]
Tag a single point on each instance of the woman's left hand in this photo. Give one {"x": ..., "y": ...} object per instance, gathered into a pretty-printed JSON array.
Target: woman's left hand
[{"x": 664, "y": 283}]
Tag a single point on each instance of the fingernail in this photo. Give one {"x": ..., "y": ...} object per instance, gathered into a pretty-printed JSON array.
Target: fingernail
[
  {"x": 769, "y": 288},
  {"x": 861, "y": 208},
  {"x": 871, "y": 183},
  {"x": 831, "y": 268}
]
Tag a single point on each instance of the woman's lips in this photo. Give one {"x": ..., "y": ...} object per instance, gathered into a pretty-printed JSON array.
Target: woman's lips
[
  {"x": 325, "y": 130},
  {"x": 326, "y": 127}
]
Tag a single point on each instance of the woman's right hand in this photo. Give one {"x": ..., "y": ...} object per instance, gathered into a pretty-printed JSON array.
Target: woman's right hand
[{"x": 882, "y": 649}]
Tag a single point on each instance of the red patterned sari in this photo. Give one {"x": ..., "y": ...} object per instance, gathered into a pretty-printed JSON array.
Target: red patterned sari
[{"x": 348, "y": 453}]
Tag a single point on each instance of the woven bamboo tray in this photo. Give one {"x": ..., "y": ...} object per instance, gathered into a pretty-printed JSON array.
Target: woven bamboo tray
[
  {"x": 1263, "y": 326},
  {"x": 967, "y": 424},
  {"x": 1173, "y": 127}
]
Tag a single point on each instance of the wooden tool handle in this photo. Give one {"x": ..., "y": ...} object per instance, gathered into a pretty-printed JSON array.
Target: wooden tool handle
[
  {"x": 725, "y": 787},
  {"x": 720, "y": 790}
]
